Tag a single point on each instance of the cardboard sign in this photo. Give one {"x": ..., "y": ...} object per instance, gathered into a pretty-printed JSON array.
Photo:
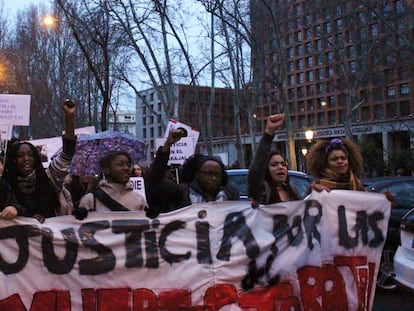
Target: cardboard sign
[
  {"x": 180, "y": 151},
  {"x": 14, "y": 109},
  {"x": 139, "y": 185},
  {"x": 188, "y": 131}
]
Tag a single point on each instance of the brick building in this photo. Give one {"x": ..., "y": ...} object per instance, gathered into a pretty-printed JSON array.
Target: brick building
[{"x": 327, "y": 63}]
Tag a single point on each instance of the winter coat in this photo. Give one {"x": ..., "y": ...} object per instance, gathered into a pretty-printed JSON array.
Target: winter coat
[
  {"x": 123, "y": 194},
  {"x": 165, "y": 195}
]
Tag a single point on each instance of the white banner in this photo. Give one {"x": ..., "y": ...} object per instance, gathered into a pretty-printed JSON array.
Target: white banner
[
  {"x": 319, "y": 254},
  {"x": 14, "y": 109}
]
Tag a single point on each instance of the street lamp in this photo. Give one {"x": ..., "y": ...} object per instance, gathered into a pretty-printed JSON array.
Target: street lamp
[
  {"x": 304, "y": 151},
  {"x": 309, "y": 135}
]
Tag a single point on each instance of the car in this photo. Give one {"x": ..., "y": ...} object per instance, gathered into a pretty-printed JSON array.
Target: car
[
  {"x": 404, "y": 257},
  {"x": 299, "y": 180},
  {"x": 401, "y": 189}
]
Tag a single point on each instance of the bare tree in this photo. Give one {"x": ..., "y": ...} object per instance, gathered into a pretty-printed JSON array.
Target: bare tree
[
  {"x": 101, "y": 45},
  {"x": 157, "y": 40}
]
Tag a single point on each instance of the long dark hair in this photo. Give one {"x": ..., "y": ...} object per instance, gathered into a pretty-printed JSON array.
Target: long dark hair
[
  {"x": 44, "y": 198},
  {"x": 274, "y": 195}
]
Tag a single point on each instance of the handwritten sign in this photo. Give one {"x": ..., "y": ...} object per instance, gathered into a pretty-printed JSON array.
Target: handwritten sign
[
  {"x": 139, "y": 185},
  {"x": 180, "y": 151},
  {"x": 321, "y": 253},
  {"x": 14, "y": 109}
]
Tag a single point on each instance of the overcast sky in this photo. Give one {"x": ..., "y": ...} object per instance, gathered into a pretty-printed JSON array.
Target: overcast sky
[{"x": 14, "y": 5}]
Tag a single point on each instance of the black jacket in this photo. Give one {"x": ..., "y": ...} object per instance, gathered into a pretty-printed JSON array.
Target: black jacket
[{"x": 165, "y": 195}]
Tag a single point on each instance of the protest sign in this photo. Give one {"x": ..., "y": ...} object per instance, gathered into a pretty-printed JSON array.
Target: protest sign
[
  {"x": 322, "y": 253},
  {"x": 187, "y": 130},
  {"x": 14, "y": 109},
  {"x": 180, "y": 151},
  {"x": 139, "y": 185}
]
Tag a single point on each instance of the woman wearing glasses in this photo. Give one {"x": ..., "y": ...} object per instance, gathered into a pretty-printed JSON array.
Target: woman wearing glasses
[
  {"x": 268, "y": 179},
  {"x": 202, "y": 179}
]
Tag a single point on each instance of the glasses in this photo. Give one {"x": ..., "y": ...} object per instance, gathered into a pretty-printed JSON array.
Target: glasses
[
  {"x": 210, "y": 174},
  {"x": 276, "y": 163}
]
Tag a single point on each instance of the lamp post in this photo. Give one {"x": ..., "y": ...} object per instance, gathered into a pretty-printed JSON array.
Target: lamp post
[
  {"x": 309, "y": 136},
  {"x": 304, "y": 151}
]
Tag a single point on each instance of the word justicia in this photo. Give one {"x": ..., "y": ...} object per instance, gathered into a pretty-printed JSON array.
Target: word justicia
[{"x": 146, "y": 242}]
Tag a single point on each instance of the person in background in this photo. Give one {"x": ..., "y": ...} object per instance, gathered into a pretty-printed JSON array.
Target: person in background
[
  {"x": 74, "y": 188},
  {"x": 137, "y": 170},
  {"x": 35, "y": 188},
  {"x": 268, "y": 179},
  {"x": 203, "y": 178},
  {"x": 114, "y": 192},
  {"x": 335, "y": 164}
]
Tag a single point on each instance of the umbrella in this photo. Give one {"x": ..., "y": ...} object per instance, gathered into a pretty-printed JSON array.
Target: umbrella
[{"x": 91, "y": 147}]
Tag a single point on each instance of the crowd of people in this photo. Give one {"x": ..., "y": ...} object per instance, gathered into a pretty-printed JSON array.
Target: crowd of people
[{"x": 27, "y": 189}]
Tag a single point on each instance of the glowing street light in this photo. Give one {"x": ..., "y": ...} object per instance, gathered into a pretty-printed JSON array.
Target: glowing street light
[
  {"x": 309, "y": 135},
  {"x": 304, "y": 151},
  {"x": 49, "y": 21}
]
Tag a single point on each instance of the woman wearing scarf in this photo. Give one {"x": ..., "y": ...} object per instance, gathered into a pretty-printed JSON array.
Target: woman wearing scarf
[
  {"x": 268, "y": 179},
  {"x": 335, "y": 164},
  {"x": 35, "y": 188}
]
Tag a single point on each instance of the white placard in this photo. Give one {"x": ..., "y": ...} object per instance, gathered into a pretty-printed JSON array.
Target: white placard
[
  {"x": 180, "y": 151},
  {"x": 190, "y": 132},
  {"x": 14, "y": 109},
  {"x": 139, "y": 185}
]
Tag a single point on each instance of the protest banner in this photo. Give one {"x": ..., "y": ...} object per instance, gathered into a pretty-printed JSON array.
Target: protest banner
[{"x": 321, "y": 253}]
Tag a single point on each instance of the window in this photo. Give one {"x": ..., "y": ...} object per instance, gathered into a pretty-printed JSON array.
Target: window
[
  {"x": 378, "y": 112},
  {"x": 328, "y": 27},
  {"x": 374, "y": 30},
  {"x": 301, "y": 78},
  {"x": 391, "y": 92},
  {"x": 339, "y": 23},
  {"x": 319, "y": 45},
  {"x": 321, "y": 119},
  {"x": 405, "y": 108},
  {"x": 309, "y": 77},
  {"x": 332, "y": 117},
  {"x": 308, "y": 47},
  {"x": 151, "y": 97},
  {"x": 309, "y": 61},
  {"x": 299, "y": 36},
  {"x": 301, "y": 63},
  {"x": 290, "y": 52},
  {"x": 404, "y": 90},
  {"x": 291, "y": 67}
]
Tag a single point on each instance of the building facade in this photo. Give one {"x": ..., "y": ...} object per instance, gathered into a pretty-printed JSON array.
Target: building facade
[
  {"x": 122, "y": 121},
  {"x": 337, "y": 65},
  {"x": 190, "y": 106}
]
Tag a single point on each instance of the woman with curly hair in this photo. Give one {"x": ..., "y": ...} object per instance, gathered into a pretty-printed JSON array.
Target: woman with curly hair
[
  {"x": 335, "y": 164},
  {"x": 268, "y": 179}
]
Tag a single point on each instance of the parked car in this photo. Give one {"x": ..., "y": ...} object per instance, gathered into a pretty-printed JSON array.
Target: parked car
[
  {"x": 402, "y": 191},
  {"x": 404, "y": 257},
  {"x": 299, "y": 180}
]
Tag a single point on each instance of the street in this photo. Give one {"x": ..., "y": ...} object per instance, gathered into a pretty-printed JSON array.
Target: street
[{"x": 400, "y": 299}]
